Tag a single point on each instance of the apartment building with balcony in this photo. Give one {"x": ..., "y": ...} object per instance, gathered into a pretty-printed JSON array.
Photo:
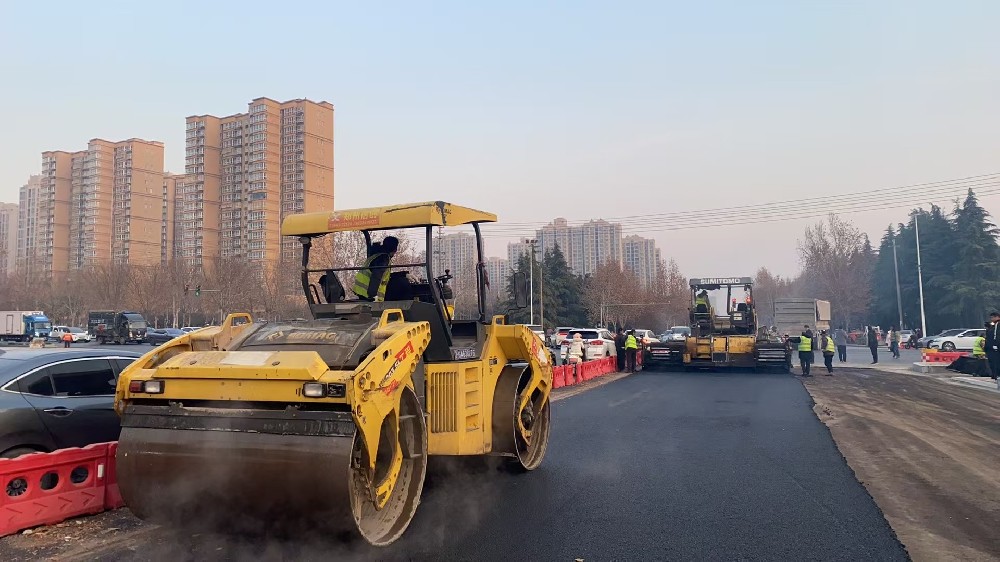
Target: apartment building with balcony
[
  {"x": 50, "y": 257},
  {"x": 585, "y": 246},
  {"x": 498, "y": 273},
  {"x": 115, "y": 210},
  {"x": 276, "y": 159},
  {"x": 456, "y": 253},
  {"x": 641, "y": 257},
  {"x": 170, "y": 205},
  {"x": 8, "y": 238},
  {"x": 28, "y": 235}
]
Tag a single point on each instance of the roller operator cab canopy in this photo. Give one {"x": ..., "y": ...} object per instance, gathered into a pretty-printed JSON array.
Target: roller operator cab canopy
[{"x": 431, "y": 213}]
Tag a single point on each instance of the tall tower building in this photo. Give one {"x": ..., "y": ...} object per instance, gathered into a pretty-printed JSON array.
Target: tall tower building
[
  {"x": 498, "y": 272},
  {"x": 455, "y": 252},
  {"x": 585, "y": 246},
  {"x": 114, "y": 211},
  {"x": 641, "y": 257},
  {"x": 276, "y": 159},
  {"x": 8, "y": 238},
  {"x": 517, "y": 249},
  {"x": 28, "y": 228},
  {"x": 51, "y": 256}
]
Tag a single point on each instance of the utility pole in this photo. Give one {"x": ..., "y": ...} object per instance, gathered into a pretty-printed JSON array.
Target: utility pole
[
  {"x": 531, "y": 279},
  {"x": 899, "y": 299},
  {"x": 920, "y": 276}
]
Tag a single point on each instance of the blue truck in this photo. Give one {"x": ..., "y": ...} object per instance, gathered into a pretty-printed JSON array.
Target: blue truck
[{"x": 24, "y": 325}]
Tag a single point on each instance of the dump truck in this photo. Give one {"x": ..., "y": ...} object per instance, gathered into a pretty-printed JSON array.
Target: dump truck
[
  {"x": 109, "y": 326},
  {"x": 722, "y": 337},
  {"x": 326, "y": 424},
  {"x": 24, "y": 325},
  {"x": 791, "y": 314}
]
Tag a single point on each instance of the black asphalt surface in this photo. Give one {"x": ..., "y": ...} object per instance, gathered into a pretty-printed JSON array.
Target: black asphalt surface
[{"x": 655, "y": 466}]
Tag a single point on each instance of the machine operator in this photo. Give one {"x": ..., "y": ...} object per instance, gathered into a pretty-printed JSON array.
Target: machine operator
[
  {"x": 370, "y": 282},
  {"x": 702, "y": 304}
]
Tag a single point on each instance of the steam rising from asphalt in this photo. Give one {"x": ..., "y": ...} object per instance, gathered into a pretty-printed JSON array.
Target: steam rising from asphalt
[{"x": 458, "y": 497}]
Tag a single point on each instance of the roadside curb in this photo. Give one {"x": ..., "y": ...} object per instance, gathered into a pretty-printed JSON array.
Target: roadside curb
[{"x": 981, "y": 383}]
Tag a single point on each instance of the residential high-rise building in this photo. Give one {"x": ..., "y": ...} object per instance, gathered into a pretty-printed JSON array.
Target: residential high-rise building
[
  {"x": 276, "y": 159},
  {"x": 115, "y": 213},
  {"x": 169, "y": 206},
  {"x": 99, "y": 205},
  {"x": 28, "y": 234},
  {"x": 51, "y": 255},
  {"x": 585, "y": 246},
  {"x": 8, "y": 238},
  {"x": 498, "y": 273},
  {"x": 517, "y": 249},
  {"x": 641, "y": 257},
  {"x": 455, "y": 252}
]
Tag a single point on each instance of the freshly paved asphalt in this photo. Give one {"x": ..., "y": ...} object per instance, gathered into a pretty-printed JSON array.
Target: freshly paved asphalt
[{"x": 656, "y": 466}]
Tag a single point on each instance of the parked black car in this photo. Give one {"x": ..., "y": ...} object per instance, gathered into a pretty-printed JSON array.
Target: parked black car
[
  {"x": 160, "y": 336},
  {"x": 56, "y": 398}
]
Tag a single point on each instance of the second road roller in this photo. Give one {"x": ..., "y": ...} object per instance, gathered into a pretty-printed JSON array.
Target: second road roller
[{"x": 327, "y": 423}]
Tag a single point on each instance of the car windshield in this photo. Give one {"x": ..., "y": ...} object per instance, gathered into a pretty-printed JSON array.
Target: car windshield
[
  {"x": 947, "y": 333},
  {"x": 42, "y": 325},
  {"x": 75, "y": 330}
]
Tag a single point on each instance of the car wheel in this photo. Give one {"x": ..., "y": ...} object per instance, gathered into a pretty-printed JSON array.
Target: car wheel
[
  {"x": 948, "y": 346},
  {"x": 17, "y": 452}
]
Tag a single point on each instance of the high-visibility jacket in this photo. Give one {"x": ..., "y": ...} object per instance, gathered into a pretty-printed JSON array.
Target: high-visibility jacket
[
  {"x": 830, "y": 348},
  {"x": 630, "y": 342},
  {"x": 362, "y": 280},
  {"x": 805, "y": 343},
  {"x": 979, "y": 347}
]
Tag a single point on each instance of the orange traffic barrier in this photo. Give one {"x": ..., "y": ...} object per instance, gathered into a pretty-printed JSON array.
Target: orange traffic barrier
[{"x": 46, "y": 488}]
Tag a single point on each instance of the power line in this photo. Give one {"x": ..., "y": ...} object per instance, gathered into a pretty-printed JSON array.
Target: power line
[
  {"x": 772, "y": 214},
  {"x": 915, "y": 189}
]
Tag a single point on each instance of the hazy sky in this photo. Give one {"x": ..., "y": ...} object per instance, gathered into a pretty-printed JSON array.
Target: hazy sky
[{"x": 574, "y": 109}]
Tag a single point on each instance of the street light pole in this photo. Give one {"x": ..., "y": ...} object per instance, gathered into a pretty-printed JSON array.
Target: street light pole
[
  {"x": 920, "y": 276},
  {"x": 899, "y": 299},
  {"x": 531, "y": 282}
]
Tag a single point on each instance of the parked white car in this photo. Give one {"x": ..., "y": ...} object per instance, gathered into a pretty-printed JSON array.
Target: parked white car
[
  {"x": 600, "y": 342},
  {"x": 646, "y": 336},
  {"x": 79, "y": 334},
  {"x": 678, "y": 333},
  {"x": 962, "y": 341},
  {"x": 559, "y": 334}
]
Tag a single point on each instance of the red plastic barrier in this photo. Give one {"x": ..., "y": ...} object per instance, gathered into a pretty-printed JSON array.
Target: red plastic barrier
[
  {"x": 573, "y": 373},
  {"x": 943, "y": 356},
  {"x": 112, "y": 496},
  {"x": 558, "y": 377},
  {"x": 46, "y": 488}
]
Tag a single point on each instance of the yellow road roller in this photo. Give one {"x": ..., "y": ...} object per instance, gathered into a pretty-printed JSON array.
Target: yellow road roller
[{"x": 326, "y": 424}]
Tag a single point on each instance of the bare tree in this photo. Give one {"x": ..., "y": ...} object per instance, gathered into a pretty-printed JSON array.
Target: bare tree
[
  {"x": 836, "y": 267},
  {"x": 767, "y": 288}
]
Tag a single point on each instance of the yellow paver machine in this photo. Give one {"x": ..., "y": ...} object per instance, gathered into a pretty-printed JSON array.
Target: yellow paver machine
[
  {"x": 723, "y": 337},
  {"x": 326, "y": 424}
]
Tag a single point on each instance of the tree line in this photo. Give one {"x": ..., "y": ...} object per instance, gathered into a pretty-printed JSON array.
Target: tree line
[
  {"x": 959, "y": 259},
  {"x": 612, "y": 296}
]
